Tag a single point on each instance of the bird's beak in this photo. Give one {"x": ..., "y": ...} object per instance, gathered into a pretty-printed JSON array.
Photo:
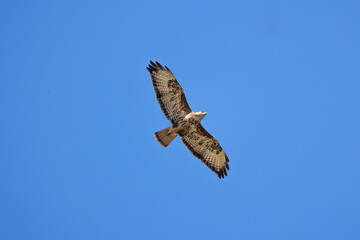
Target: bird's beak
[{"x": 203, "y": 115}]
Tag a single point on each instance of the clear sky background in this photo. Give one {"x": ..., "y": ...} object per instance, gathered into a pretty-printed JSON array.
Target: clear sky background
[{"x": 280, "y": 81}]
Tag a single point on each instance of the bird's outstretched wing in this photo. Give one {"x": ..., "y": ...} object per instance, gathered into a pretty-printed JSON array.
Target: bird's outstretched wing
[
  {"x": 169, "y": 93},
  {"x": 205, "y": 147}
]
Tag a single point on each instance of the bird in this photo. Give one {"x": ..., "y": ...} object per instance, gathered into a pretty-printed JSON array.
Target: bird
[{"x": 185, "y": 123}]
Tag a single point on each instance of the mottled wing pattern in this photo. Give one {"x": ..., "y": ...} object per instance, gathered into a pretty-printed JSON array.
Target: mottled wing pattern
[
  {"x": 169, "y": 93},
  {"x": 205, "y": 147}
]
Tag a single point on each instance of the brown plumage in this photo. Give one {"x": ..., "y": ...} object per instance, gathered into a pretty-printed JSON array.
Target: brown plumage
[{"x": 185, "y": 122}]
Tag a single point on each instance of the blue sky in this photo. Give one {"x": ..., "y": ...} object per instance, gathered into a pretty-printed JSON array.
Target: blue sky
[{"x": 280, "y": 82}]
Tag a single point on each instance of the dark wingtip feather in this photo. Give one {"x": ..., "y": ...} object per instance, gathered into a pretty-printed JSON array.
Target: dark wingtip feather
[
  {"x": 159, "y": 65},
  {"x": 154, "y": 66},
  {"x": 151, "y": 68},
  {"x": 221, "y": 173}
]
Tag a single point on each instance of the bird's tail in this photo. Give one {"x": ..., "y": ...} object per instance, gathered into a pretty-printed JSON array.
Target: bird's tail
[{"x": 165, "y": 136}]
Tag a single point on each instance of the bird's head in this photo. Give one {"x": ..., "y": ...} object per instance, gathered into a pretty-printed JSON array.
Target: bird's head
[{"x": 200, "y": 115}]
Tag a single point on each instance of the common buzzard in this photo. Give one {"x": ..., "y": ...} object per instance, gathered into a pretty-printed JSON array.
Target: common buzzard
[{"x": 185, "y": 122}]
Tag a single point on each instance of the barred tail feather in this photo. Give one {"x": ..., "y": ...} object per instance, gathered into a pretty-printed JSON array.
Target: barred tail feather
[{"x": 165, "y": 136}]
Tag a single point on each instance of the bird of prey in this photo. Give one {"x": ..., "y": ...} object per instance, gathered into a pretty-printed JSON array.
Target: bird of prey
[{"x": 185, "y": 122}]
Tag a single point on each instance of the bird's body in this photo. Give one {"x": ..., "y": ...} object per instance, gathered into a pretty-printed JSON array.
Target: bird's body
[
  {"x": 189, "y": 120},
  {"x": 185, "y": 122}
]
